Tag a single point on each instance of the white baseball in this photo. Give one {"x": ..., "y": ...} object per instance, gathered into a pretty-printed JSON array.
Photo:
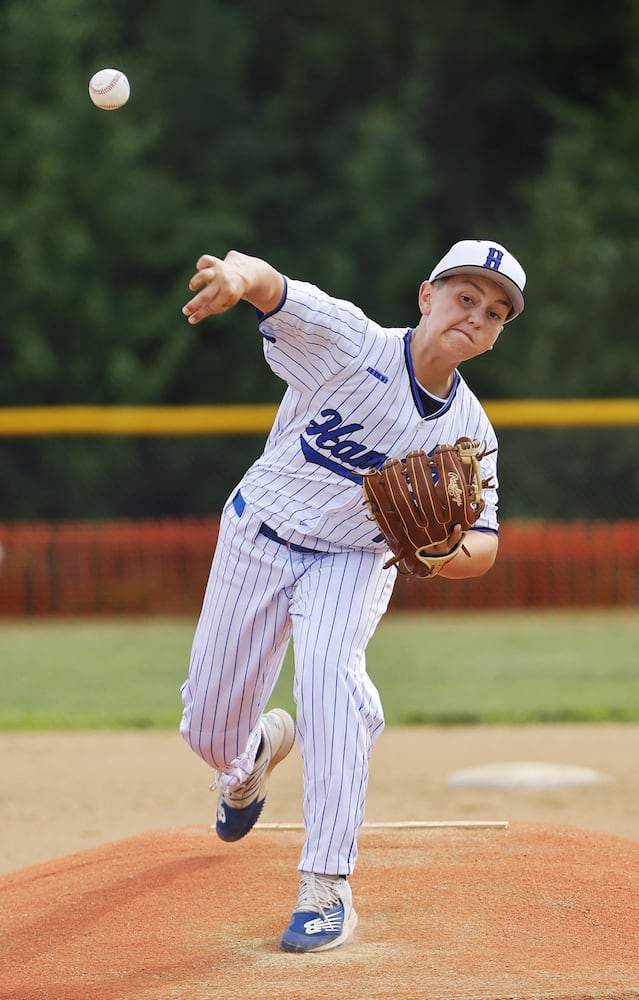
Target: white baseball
[{"x": 109, "y": 89}]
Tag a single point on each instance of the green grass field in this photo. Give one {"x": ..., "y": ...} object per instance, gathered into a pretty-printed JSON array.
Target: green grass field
[{"x": 439, "y": 668}]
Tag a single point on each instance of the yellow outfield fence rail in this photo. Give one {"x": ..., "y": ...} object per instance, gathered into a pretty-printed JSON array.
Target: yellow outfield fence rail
[
  {"x": 147, "y": 420},
  {"x": 23, "y": 421}
]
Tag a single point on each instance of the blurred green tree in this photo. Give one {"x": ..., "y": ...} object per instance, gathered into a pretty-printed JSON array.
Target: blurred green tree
[{"x": 348, "y": 144}]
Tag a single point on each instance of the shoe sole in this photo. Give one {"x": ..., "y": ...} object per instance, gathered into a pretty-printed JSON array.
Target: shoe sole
[{"x": 287, "y": 743}]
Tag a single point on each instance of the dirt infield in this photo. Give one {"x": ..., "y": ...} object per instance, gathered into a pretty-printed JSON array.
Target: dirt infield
[
  {"x": 530, "y": 911},
  {"x": 114, "y": 887}
]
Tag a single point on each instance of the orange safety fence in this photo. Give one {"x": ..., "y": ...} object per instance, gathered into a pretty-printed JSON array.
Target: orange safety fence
[
  {"x": 544, "y": 564},
  {"x": 161, "y": 567}
]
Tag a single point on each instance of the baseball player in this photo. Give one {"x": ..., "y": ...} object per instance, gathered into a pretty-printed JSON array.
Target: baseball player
[{"x": 299, "y": 557}]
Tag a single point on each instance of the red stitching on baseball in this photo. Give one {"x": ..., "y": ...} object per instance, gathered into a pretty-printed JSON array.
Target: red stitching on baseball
[{"x": 110, "y": 86}]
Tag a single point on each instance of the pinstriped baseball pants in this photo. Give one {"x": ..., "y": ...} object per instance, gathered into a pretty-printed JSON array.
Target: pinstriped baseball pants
[{"x": 259, "y": 595}]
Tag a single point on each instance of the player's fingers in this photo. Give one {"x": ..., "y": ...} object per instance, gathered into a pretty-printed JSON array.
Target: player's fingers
[
  {"x": 200, "y": 278},
  {"x": 207, "y": 274},
  {"x": 207, "y": 260},
  {"x": 206, "y": 279},
  {"x": 201, "y": 305},
  {"x": 216, "y": 297},
  {"x": 219, "y": 289},
  {"x": 207, "y": 268}
]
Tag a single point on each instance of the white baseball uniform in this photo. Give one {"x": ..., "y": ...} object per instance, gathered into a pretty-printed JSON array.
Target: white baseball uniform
[{"x": 298, "y": 556}]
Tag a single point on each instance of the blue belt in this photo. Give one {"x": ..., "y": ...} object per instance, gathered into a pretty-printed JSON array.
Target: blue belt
[{"x": 239, "y": 504}]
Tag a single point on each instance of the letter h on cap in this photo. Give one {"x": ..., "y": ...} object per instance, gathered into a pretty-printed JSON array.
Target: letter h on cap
[{"x": 493, "y": 260}]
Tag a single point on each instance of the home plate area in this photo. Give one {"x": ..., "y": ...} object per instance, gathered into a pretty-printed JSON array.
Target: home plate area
[{"x": 461, "y": 911}]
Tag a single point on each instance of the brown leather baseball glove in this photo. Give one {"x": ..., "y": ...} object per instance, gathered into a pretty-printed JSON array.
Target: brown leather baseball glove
[{"x": 418, "y": 501}]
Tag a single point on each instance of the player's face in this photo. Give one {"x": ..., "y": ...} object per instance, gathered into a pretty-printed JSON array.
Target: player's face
[{"x": 465, "y": 313}]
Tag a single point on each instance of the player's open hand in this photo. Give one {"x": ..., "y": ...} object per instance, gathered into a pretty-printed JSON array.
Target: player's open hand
[{"x": 220, "y": 285}]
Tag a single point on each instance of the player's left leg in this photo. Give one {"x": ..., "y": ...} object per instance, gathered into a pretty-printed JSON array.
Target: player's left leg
[
  {"x": 240, "y": 806},
  {"x": 335, "y": 611}
]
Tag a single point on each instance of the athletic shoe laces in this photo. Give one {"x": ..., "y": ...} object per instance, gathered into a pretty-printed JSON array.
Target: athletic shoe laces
[
  {"x": 239, "y": 795},
  {"x": 318, "y": 893},
  {"x": 248, "y": 789}
]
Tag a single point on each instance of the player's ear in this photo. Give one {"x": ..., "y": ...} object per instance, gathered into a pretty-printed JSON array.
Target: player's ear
[
  {"x": 424, "y": 297},
  {"x": 496, "y": 339}
]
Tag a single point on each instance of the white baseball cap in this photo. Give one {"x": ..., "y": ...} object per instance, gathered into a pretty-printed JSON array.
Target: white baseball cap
[{"x": 490, "y": 259}]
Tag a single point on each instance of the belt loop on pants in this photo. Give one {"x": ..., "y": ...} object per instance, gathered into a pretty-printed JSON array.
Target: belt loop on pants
[{"x": 239, "y": 504}]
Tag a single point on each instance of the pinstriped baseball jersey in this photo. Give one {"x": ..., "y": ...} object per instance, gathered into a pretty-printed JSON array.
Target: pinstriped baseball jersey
[{"x": 352, "y": 401}]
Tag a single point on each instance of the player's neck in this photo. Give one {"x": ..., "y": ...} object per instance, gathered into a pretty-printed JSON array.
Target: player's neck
[
  {"x": 435, "y": 376},
  {"x": 435, "y": 386}
]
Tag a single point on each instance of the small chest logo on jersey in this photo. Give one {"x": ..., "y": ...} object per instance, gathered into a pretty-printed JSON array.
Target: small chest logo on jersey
[
  {"x": 373, "y": 371},
  {"x": 335, "y": 449}
]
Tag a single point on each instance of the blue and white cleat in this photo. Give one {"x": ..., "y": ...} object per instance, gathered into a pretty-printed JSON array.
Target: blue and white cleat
[
  {"x": 239, "y": 808},
  {"x": 324, "y": 917}
]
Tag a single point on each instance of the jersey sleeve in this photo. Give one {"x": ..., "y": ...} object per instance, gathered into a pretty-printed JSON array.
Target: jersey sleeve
[
  {"x": 488, "y": 521},
  {"x": 311, "y": 337}
]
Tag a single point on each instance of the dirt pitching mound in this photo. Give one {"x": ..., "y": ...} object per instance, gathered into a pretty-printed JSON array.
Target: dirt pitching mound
[{"x": 521, "y": 911}]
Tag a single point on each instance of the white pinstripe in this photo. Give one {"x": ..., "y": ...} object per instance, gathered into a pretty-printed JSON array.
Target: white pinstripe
[{"x": 350, "y": 402}]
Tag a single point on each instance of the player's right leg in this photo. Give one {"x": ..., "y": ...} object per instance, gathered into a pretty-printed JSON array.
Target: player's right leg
[
  {"x": 335, "y": 612},
  {"x": 236, "y": 656}
]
